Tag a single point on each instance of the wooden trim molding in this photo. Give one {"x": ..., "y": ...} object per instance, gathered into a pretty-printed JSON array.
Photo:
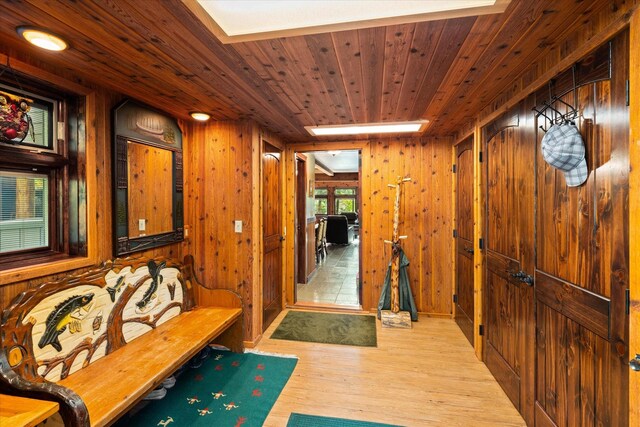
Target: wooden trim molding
[{"x": 634, "y": 216}]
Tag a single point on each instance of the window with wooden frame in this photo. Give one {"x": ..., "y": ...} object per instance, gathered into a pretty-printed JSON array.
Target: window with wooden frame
[
  {"x": 321, "y": 201},
  {"x": 345, "y": 200},
  {"x": 42, "y": 174}
]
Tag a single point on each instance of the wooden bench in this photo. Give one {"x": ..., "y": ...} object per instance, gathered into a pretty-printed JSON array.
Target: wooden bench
[{"x": 98, "y": 342}]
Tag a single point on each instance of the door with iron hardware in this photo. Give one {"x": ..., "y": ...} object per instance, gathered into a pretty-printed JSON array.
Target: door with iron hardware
[
  {"x": 509, "y": 148},
  {"x": 464, "y": 238},
  {"x": 582, "y": 260}
]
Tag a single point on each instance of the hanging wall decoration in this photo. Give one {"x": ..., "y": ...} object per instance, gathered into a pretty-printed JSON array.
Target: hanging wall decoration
[{"x": 15, "y": 122}]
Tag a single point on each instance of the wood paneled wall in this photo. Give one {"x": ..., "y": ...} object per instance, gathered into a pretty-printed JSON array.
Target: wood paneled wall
[
  {"x": 221, "y": 185},
  {"x": 99, "y": 221},
  {"x": 426, "y": 216}
]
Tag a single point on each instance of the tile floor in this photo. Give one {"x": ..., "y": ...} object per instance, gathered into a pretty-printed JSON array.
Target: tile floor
[{"x": 335, "y": 280}]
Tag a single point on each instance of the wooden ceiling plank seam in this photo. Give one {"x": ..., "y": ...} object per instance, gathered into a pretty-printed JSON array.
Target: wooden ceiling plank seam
[
  {"x": 396, "y": 56},
  {"x": 425, "y": 39},
  {"x": 228, "y": 80},
  {"x": 475, "y": 70},
  {"x": 255, "y": 58},
  {"x": 351, "y": 70},
  {"x": 538, "y": 28},
  {"x": 298, "y": 90},
  {"x": 474, "y": 46},
  {"x": 107, "y": 41},
  {"x": 240, "y": 85},
  {"x": 327, "y": 62},
  {"x": 305, "y": 63},
  {"x": 372, "y": 52},
  {"x": 456, "y": 32}
]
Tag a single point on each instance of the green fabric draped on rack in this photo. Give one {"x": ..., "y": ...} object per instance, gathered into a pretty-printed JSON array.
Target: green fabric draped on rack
[{"x": 404, "y": 289}]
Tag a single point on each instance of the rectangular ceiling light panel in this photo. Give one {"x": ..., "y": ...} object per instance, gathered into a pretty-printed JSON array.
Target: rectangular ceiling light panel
[{"x": 368, "y": 128}]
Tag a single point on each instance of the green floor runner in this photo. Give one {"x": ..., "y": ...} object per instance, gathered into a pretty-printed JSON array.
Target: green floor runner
[
  {"x": 302, "y": 420},
  {"x": 329, "y": 328}
]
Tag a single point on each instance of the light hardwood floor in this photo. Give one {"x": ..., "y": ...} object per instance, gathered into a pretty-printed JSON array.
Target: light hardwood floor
[{"x": 425, "y": 376}]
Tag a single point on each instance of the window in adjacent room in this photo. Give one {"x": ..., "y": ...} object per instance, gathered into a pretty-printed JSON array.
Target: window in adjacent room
[
  {"x": 345, "y": 200},
  {"x": 321, "y": 201},
  {"x": 42, "y": 188}
]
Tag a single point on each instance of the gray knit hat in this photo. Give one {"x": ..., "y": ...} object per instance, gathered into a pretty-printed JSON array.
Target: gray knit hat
[{"x": 563, "y": 148}]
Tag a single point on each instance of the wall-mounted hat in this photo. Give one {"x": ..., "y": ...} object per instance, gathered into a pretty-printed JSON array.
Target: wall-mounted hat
[{"x": 563, "y": 148}]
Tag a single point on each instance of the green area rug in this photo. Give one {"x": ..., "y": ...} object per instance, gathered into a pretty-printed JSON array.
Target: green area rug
[
  {"x": 302, "y": 420},
  {"x": 346, "y": 329},
  {"x": 229, "y": 389}
]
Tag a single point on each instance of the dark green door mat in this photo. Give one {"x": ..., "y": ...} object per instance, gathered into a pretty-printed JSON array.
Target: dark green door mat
[
  {"x": 229, "y": 389},
  {"x": 329, "y": 328},
  {"x": 302, "y": 420}
]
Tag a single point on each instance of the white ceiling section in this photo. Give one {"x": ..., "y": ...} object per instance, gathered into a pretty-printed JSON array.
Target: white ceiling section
[
  {"x": 243, "y": 20},
  {"x": 342, "y": 162}
]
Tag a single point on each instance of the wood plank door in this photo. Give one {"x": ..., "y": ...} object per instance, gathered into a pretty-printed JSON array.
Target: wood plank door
[
  {"x": 509, "y": 321},
  {"x": 464, "y": 238},
  {"x": 301, "y": 220},
  {"x": 271, "y": 236},
  {"x": 582, "y": 266}
]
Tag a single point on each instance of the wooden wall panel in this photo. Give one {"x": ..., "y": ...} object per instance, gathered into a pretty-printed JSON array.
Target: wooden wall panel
[
  {"x": 219, "y": 175},
  {"x": 426, "y": 217}
]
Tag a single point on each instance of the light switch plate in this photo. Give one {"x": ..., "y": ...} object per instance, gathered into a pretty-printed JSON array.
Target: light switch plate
[
  {"x": 142, "y": 225},
  {"x": 238, "y": 226}
]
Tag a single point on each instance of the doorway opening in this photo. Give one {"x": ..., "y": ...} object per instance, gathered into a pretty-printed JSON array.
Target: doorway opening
[{"x": 327, "y": 244}]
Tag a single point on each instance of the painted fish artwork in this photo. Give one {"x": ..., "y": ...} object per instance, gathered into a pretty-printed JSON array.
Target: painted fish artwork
[
  {"x": 69, "y": 312},
  {"x": 113, "y": 290},
  {"x": 156, "y": 280}
]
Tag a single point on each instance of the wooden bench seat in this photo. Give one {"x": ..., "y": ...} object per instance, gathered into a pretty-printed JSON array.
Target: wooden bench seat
[
  {"x": 112, "y": 385},
  {"x": 100, "y": 341}
]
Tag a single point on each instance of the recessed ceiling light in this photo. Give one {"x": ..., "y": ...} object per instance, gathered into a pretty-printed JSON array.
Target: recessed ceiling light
[
  {"x": 366, "y": 128},
  {"x": 42, "y": 38},
  {"x": 201, "y": 117}
]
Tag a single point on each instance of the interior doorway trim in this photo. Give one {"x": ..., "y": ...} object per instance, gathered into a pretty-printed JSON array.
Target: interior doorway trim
[{"x": 290, "y": 213}]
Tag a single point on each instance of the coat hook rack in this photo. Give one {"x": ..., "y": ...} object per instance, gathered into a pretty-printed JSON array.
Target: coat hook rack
[
  {"x": 558, "y": 117},
  {"x": 395, "y": 317}
]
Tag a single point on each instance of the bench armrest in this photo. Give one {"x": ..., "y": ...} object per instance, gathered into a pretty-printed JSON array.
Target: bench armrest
[{"x": 72, "y": 409}]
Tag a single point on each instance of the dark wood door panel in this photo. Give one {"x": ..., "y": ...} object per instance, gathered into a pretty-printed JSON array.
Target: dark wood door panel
[
  {"x": 509, "y": 254},
  {"x": 464, "y": 291},
  {"x": 272, "y": 239},
  {"x": 508, "y": 379},
  {"x": 587, "y": 309},
  {"x": 574, "y": 373},
  {"x": 464, "y": 310},
  {"x": 583, "y": 257},
  {"x": 503, "y": 317}
]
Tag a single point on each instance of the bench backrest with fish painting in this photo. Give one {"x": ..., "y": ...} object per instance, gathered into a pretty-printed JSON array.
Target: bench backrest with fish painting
[{"x": 57, "y": 328}]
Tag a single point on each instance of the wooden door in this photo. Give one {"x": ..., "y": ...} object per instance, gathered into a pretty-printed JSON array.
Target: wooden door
[
  {"x": 510, "y": 323},
  {"x": 271, "y": 236},
  {"x": 582, "y": 267},
  {"x": 301, "y": 220},
  {"x": 464, "y": 238}
]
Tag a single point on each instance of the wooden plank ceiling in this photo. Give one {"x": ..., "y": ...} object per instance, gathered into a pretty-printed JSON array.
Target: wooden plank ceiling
[{"x": 160, "y": 53}]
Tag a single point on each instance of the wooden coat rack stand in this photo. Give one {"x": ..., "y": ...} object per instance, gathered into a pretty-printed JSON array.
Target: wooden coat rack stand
[{"x": 394, "y": 317}]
